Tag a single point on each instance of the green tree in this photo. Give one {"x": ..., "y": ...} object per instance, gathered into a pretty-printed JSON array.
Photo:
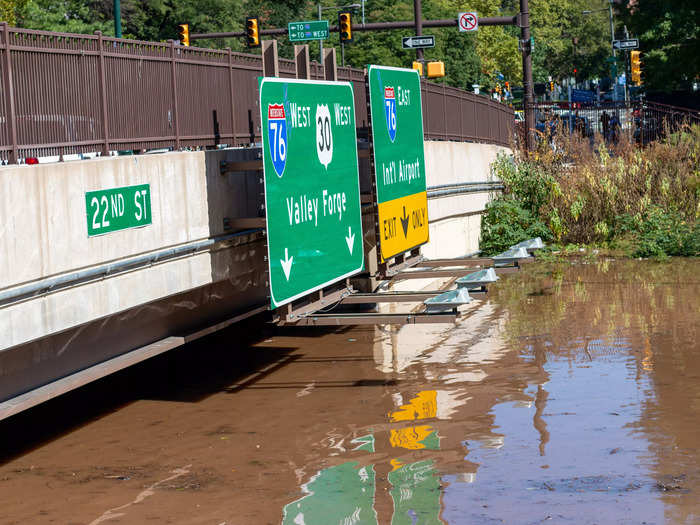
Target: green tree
[
  {"x": 12, "y": 10},
  {"x": 669, "y": 36},
  {"x": 565, "y": 38}
]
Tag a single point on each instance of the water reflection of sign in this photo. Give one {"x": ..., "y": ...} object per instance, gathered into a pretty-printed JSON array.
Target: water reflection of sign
[
  {"x": 415, "y": 438},
  {"x": 423, "y": 406},
  {"x": 340, "y": 494},
  {"x": 364, "y": 443},
  {"x": 416, "y": 494}
]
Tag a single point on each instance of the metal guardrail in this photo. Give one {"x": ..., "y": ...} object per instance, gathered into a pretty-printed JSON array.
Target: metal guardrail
[{"x": 67, "y": 93}]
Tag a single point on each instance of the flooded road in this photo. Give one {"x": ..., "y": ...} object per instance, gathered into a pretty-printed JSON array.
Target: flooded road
[{"x": 570, "y": 395}]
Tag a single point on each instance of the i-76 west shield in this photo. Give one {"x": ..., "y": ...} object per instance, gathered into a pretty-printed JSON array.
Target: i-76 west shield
[
  {"x": 277, "y": 136},
  {"x": 312, "y": 188}
]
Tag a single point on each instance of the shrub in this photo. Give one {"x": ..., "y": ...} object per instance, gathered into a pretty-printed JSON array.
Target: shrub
[
  {"x": 646, "y": 200},
  {"x": 507, "y": 222}
]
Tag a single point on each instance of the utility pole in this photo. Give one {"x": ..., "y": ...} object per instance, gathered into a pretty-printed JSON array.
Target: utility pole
[
  {"x": 418, "y": 16},
  {"x": 527, "y": 75},
  {"x": 117, "y": 19}
]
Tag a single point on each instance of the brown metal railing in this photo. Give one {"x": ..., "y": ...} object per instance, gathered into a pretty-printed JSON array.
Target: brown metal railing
[{"x": 67, "y": 93}]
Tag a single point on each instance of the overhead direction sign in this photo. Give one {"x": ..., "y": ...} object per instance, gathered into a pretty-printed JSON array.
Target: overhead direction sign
[
  {"x": 630, "y": 43},
  {"x": 418, "y": 42},
  {"x": 312, "y": 188},
  {"x": 312, "y": 30},
  {"x": 468, "y": 22},
  {"x": 399, "y": 159}
]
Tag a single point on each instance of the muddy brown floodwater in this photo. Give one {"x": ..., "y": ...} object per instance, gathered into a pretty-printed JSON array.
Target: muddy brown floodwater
[{"x": 570, "y": 395}]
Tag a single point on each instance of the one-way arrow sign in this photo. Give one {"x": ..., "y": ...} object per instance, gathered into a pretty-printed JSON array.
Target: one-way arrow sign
[
  {"x": 418, "y": 42},
  {"x": 631, "y": 43}
]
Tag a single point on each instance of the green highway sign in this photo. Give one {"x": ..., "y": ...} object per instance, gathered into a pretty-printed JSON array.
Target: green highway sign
[
  {"x": 117, "y": 209},
  {"x": 399, "y": 159},
  {"x": 312, "y": 185},
  {"x": 313, "y": 30},
  {"x": 341, "y": 494}
]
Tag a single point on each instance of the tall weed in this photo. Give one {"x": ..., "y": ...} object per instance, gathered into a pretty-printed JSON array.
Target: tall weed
[{"x": 645, "y": 199}]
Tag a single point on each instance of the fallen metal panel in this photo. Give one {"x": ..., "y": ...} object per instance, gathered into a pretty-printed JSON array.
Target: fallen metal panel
[{"x": 375, "y": 319}]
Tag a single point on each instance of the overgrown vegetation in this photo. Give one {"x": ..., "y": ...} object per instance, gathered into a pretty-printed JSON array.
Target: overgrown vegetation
[{"x": 640, "y": 202}]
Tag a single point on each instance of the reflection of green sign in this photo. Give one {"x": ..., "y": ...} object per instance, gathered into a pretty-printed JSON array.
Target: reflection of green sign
[
  {"x": 312, "y": 30},
  {"x": 399, "y": 160},
  {"x": 312, "y": 187},
  {"x": 118, "y": 209},
  {"x": 416, "y": 494},
  {"x": 341, "y": 494}
]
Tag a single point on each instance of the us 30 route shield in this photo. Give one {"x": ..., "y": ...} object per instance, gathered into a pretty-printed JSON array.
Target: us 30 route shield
[
  {"x": 399, "y": 160},
  {"x": 312, "y": 187}
]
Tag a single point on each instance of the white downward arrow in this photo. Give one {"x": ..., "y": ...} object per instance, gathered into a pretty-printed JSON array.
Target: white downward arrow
[
  {"x": 350, "y": 239},
  {"x": 287, "y": 263}
]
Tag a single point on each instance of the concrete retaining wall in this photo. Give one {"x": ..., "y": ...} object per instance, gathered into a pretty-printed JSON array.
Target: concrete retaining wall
[
  {"x": 455, "y": 220},
  {"x": 43, "y": 236}
]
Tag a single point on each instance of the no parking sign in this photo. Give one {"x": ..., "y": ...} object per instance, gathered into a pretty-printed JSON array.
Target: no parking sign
[{"x": 468, "y": 22}]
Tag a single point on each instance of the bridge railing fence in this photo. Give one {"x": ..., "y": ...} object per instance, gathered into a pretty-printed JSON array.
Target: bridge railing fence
[{"x": 65, "y": 93}]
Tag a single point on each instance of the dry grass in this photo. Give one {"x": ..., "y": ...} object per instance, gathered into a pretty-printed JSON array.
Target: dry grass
[{"x": 589, "y": 187}]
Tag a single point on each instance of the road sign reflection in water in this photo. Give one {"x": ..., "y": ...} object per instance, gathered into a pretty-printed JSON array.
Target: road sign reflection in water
[
  {"x": 399, "y": 159},
  {"x": 347, "y": 493},
  {"x": 312, "y": 191}
]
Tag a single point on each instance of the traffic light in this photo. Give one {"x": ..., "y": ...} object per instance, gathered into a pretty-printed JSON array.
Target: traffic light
[
  {"x": 418, "y": 66},
  {"x": 184, "y": 34},
  {"x": 436, "y": 69},
  {"x": 636, "y": 63},
  {"x": 345, "y": 26},
  {"x": 252, "y": 27},
  {"x": 507, "y": 86},
  {"x": 551, "y": 85}
]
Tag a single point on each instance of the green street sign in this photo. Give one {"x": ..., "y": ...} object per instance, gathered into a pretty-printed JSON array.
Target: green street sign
[
  {"x": 399, "y": 159},
  {"x": 416, "y": 492},
  {"x": 313, "y": 30},
  {"x": 117, "y": 209},
  {"x": 312, "y": 185}
]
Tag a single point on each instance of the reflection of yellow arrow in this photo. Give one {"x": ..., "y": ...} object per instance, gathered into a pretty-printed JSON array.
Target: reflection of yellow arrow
[
  {"x": 410, "y": 437},
  {"x": 395, "y": 464},
  {"x": 423, "y": 406}
]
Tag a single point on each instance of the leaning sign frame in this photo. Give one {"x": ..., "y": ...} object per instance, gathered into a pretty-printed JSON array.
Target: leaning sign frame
[
  {"x": 313, "y": 212},
  {"x": 398, "y": 161}
]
